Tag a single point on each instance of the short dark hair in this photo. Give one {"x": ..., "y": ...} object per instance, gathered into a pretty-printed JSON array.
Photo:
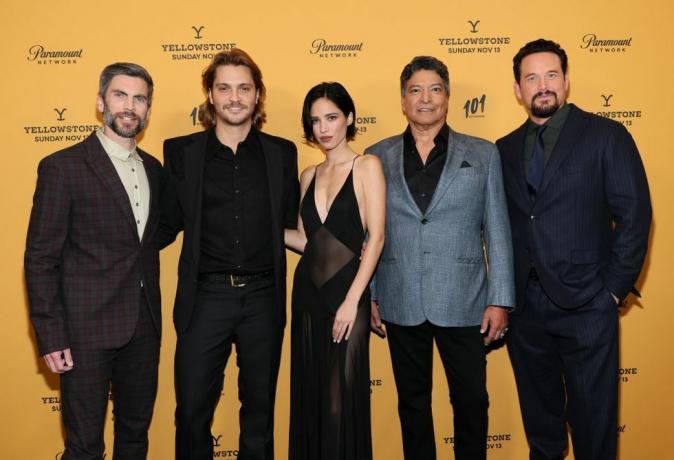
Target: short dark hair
[
  {"x": 130, "y": 70},
  {"x": 424, "y": 63},
  {"x": 538, "y": 46},
  {"x": 337, "y": 94},
  {"x": 235, "y": 57}
]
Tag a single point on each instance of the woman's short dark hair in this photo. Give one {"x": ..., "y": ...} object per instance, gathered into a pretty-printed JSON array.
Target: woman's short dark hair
[
  {"x": 538, "y": 46},
  {"x": 338, "y": 95}
]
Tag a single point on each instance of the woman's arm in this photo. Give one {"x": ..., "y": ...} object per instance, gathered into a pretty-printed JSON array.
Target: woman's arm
[{"x": 367, "y": 173}]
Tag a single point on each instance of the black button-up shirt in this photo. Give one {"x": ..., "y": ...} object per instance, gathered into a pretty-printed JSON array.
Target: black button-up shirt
[
  {"x": 422, "y": 179},
  {"x": 236, "y": 229}
]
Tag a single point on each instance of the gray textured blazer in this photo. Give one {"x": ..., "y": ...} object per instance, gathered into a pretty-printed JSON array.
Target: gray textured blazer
[{"x": 447, "y": 265}]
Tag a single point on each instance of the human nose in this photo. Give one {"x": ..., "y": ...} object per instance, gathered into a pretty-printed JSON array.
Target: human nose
[
  {"x": 426, "y": 95},
  {"x": 322, "y": 126}
]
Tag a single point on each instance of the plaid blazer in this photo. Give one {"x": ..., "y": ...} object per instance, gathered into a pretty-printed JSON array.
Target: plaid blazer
[{"x": 84, "y": 261}]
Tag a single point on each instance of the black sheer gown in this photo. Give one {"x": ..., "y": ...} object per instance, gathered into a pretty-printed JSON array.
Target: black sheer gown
[{"x": 330, "y": 394}]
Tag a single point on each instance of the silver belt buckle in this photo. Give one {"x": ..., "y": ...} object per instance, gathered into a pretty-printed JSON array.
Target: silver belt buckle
[{"x": 235, "y": 284}]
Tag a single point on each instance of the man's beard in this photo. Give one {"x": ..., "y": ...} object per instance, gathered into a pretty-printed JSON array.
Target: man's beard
[
  {"x": 110, "y": 121},
  {"x": 545, "y": 111},
  {"x": 235, "y": 119}
]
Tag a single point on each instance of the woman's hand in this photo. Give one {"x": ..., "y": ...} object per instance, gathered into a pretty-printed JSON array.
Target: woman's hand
[{"x": 344, "y": 319}]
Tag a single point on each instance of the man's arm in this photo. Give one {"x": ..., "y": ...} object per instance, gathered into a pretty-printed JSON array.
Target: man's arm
[
  {"x": 498, "y": 248},
  {"x": 629, "y": 203},
  {"x": 43, "y": 262},
  {"x": 171, "y": 215}
]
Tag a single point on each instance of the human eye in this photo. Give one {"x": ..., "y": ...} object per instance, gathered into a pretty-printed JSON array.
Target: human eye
[
  {"x": 552, "y": 75},
  {"x": 314, "y": 120},
  {"x": 119, "y": 94},
  {"x": 140, "y": 99}
]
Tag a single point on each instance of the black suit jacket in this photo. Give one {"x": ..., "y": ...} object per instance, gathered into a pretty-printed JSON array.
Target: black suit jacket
[
  {"x": 588, "y": 227},
  {"x": 84, "y": 261},
  {"x": 181, "y": 210}
]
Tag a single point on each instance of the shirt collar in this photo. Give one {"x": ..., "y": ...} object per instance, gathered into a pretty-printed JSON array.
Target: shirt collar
[
  {"x": 556, "y": 121},
  {"x": 441, "y": 138},
  {"x": 115, "y": 150}
]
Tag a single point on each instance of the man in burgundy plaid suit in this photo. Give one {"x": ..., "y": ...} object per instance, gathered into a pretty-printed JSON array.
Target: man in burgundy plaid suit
[{"x": 92, "y": 272}]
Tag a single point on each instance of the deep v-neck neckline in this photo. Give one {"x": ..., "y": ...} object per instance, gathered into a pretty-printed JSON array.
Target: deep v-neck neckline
[{"x": 339, "y": 192}]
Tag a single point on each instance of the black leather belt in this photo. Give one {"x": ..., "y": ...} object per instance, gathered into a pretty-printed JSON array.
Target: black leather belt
[{"x": 235, "y": 280}]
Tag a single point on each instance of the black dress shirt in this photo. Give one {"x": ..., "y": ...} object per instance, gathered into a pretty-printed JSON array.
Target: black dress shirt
[
  {"x": 236, "y": 233},
  {"x": 422, "y": 179}
]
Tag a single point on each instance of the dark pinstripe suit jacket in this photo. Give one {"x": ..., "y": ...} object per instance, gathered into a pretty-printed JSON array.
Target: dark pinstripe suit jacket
[
  {"x": 84, "y": 261},
  {"x": 588, "y": 227}
]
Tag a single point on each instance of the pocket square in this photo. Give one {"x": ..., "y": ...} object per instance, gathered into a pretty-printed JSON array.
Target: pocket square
[{"x": 465, "y": 164}]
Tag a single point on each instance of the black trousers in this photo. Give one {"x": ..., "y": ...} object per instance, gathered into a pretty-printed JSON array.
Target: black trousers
[
  {"x": 566, "y": 369},
  {"x": 462, "y": 352},
  {"x": 130, "y": 373},
  {"x": 226, "y": 315}
]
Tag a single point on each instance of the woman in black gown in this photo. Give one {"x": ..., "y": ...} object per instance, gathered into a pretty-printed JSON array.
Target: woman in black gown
[{"x": 343, "y": 200}]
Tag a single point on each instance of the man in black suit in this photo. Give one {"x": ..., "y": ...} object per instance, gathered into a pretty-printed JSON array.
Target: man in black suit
[
  {"x": 232, "y": 189},
  {"x": 92, "y": 272},
  {"x": 580, "y": 215}
]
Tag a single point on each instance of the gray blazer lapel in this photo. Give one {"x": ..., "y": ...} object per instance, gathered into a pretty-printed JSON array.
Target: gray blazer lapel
[
  {"x": 102, "y": 166},
  {"x": 456, "y": 151},
  {"x": 397, "y": 177}
]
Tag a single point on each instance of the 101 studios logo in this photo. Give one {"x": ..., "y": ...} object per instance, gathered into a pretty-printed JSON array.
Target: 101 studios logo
[
  {"x": 625, "y": 116},
  {"x": 474, "y": 42},
  {"x": 474, "y": 108},
  {"x": 197, "y": 49}
]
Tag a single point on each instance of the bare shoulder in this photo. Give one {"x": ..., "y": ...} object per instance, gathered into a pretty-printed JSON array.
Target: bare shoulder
[
  {"x": 306, "y": 176},
  {"x": 368, "y": 164}
]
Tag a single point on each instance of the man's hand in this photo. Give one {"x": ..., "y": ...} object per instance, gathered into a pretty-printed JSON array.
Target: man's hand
[
  {"x": 494, "y": 323},
  {"x": 59, "y": 361},
  {"x": 375, "y": 320}
]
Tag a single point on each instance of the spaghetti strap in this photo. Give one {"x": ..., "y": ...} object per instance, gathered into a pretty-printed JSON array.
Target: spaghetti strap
[{"x": 354, "y": 161}]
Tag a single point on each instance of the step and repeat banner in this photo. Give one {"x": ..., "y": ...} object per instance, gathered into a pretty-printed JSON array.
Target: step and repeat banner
[{"x": 621, "y": 67}]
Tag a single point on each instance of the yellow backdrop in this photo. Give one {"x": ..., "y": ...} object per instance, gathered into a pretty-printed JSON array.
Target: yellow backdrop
[{"x": 52, "y": 53}]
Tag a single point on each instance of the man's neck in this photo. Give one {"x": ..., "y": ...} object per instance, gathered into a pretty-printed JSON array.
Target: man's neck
[
  {"x": 129, "y": 143},
  {"x": 425, "y": 134},
  {"x": 232, "y": 135}
]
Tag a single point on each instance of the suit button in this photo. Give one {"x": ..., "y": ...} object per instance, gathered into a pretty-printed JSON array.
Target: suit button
[
  {"x": 424, "y": 221},
  {"x": 532, "y": 217}
]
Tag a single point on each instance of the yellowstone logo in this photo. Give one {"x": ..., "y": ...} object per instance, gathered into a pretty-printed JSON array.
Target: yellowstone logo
[
  {"x": 494, "y": 441},
  {"x": 365, "y": 123},
  {"x": 222, "y": 453},
  {"x": 627, "y": 117},
  {"x": 594, "y": 44},
  {"x": 53, "y": 403},
  {"x": 60, "y": 114},
  {"x": 59, "y": 132},
  {"x": 376, "y": 383},
  {"x": 324, "y": 49},
  {"x": 45, "y": 56},
  {"x": 197, "y": 31},
  {"x": 607, "y": 100},
  {"x": 474, "y": 43},
  {"x": 625, "y": 374},
  {"x": 198, "y": 50}
]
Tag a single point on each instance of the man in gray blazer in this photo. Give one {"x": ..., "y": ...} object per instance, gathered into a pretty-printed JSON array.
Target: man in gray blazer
[{"x": 446, "y": 271}]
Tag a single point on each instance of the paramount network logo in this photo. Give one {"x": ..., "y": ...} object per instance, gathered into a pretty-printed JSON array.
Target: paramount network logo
[
  {"x": 474, "y": 43},
  {"x": 324, "y": 49},
  {"x": 594, "y": 44},
  {"x": 185, "y": 51},
  {"x": 45, "y": 56}
]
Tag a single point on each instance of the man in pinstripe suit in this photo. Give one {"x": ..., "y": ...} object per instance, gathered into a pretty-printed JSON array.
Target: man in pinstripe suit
[
  {"x": 92, "y": 272},
  {"x": 580, "y": 215}
]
